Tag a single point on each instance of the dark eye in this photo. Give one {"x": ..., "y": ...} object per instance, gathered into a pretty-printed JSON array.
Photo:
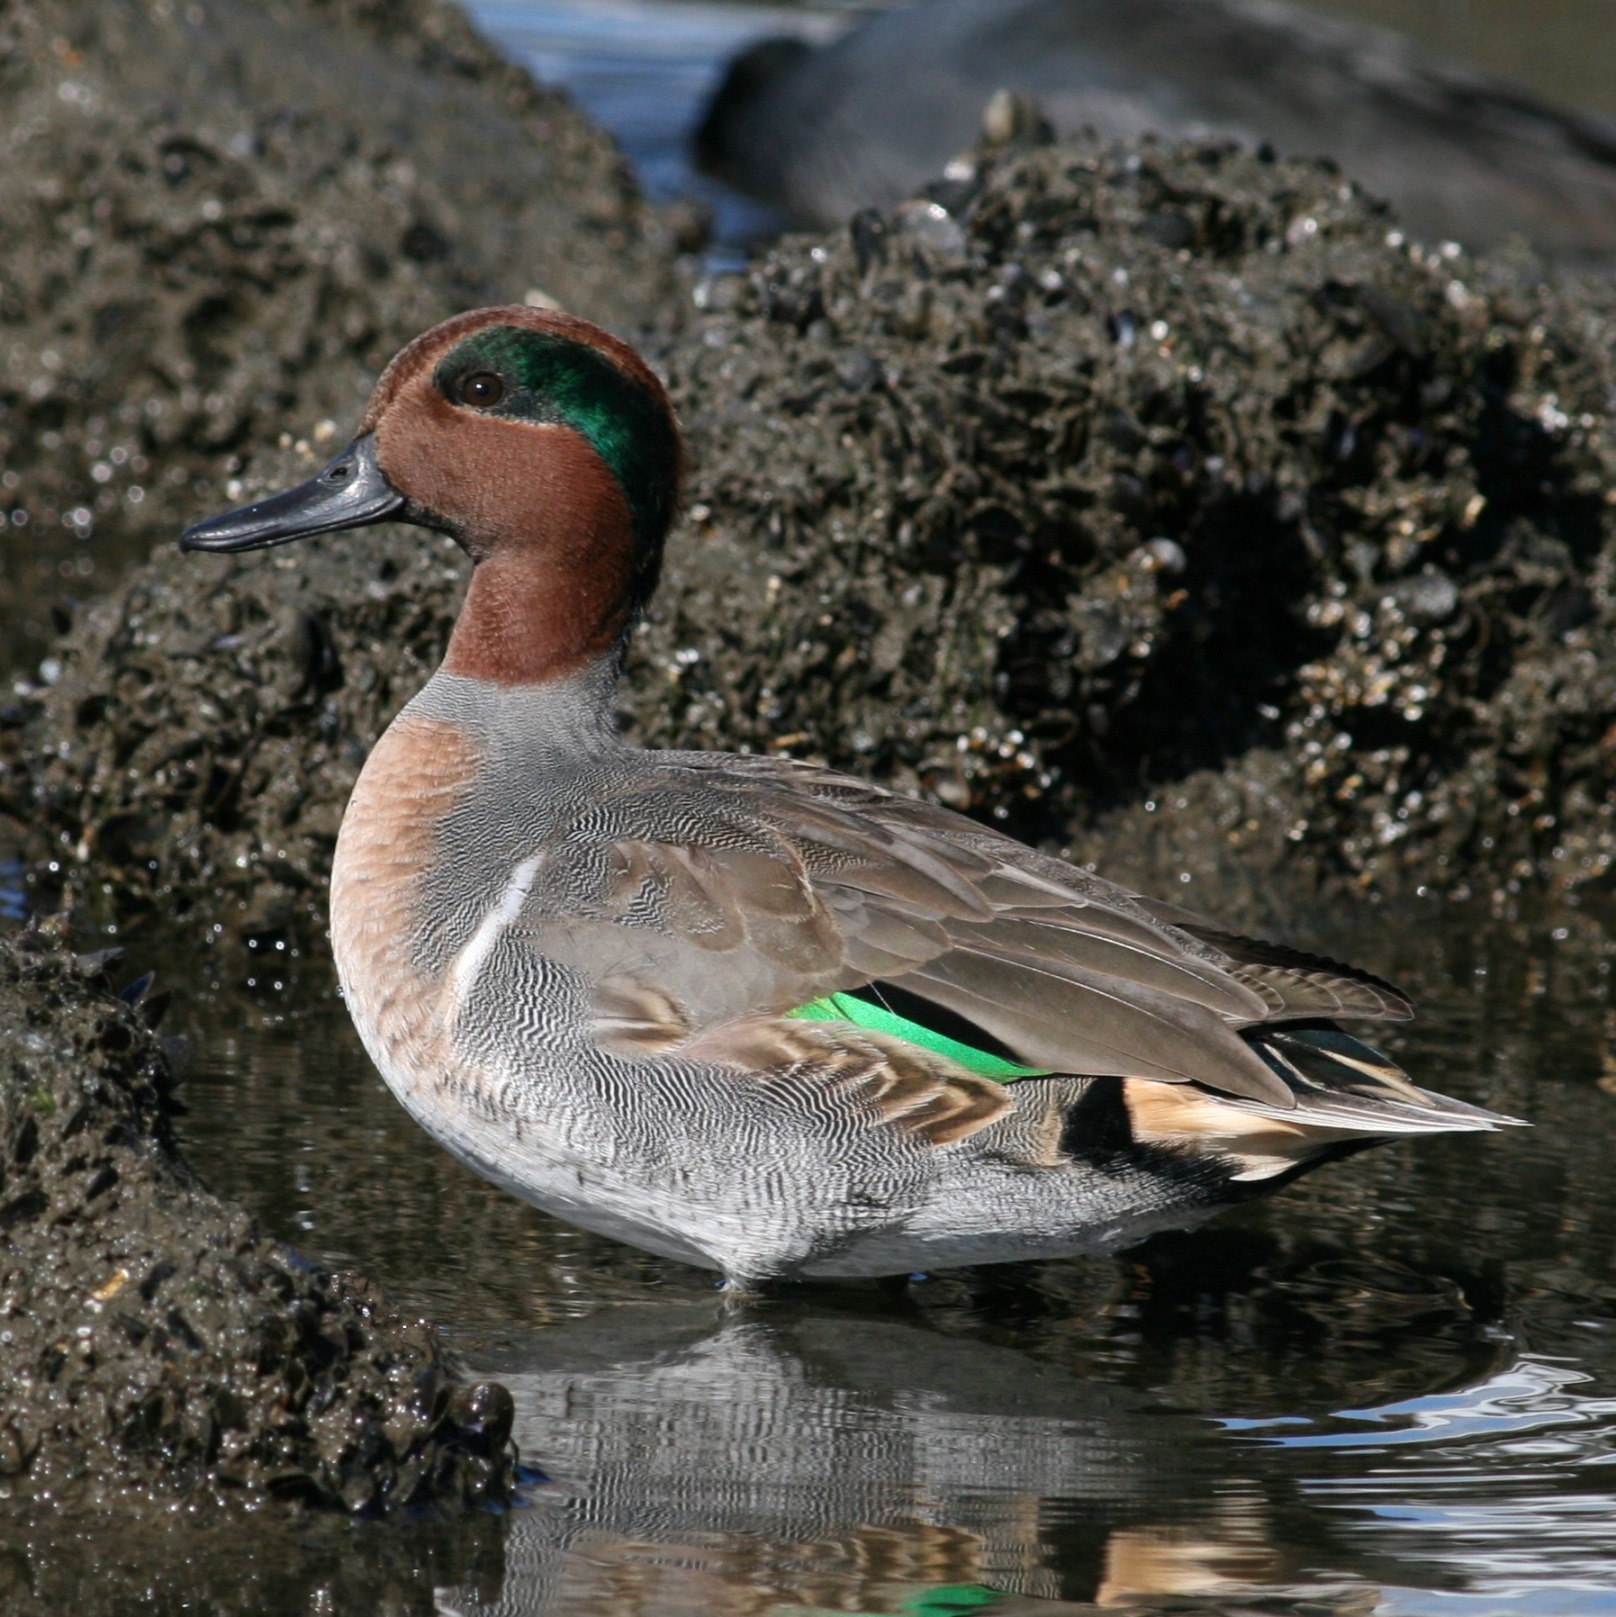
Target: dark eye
[{"x": 482, "y": 390}]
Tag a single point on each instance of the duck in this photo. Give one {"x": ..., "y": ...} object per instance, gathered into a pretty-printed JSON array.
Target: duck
[
  {"x": 819, "y": 132},
  {"x": 748, "y": 1012}
]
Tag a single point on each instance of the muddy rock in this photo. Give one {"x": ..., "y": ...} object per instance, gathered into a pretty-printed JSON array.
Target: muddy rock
[
  {"x": 244, "y": 695},
  {"x": 1167, "y": 504},
  {"x": 1161, "y": 503},
  {"x": 221, "y": 216},
  {"x": 151, "y": 1338}
]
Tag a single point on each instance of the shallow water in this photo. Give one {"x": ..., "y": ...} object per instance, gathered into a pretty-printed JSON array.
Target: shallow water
[{"x": 1392, "y": 1388}]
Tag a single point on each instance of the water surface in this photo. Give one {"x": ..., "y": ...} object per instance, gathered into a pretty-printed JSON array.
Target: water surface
[{"x": 1392, "y": 1388}]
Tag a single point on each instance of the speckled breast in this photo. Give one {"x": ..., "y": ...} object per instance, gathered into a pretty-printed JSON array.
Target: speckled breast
[{"x": 417, "y": 773}]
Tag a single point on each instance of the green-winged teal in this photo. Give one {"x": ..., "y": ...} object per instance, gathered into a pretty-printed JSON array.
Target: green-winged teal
[{"x": 743, "y": 1011}]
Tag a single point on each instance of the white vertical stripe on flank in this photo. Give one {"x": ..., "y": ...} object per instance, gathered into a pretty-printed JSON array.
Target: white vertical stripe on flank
[{"x": 469, "y": 962}]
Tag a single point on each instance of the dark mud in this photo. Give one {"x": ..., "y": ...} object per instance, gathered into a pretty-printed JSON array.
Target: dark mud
[
  {"x": 1160, "y": 503},
  {"x": 220, "y": 217},
  {"x": 152, "y": 1338},
  {"x": 216, "y": 717},
  {"x": 119, "y": 1563}
]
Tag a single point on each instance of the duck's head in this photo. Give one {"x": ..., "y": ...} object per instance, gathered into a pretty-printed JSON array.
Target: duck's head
[{"x": 543, "y": 446}]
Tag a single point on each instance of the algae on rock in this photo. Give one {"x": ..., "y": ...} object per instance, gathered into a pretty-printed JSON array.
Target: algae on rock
[
  {"x": 1163, "y": 503},
  {"x": 151, "y": 1337}
]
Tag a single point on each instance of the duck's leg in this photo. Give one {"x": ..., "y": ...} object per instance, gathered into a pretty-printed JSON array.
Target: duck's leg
[{"x": 736, "y": 1292}]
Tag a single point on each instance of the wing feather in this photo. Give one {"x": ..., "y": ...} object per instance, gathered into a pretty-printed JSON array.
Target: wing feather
[
  {"x": 1069, "y": 1021},
  {"x": 750, "y": 886}
]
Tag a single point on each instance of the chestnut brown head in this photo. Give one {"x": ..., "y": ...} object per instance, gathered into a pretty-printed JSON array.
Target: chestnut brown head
[{"x": 542, "y": 445}]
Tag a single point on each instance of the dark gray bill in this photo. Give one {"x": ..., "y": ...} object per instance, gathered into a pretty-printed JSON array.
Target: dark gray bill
[{"x": 349, "y": 493}]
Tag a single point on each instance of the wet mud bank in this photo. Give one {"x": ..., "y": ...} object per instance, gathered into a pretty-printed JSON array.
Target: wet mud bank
[
  {"x": 1168, "y": 504},
  {"x": 1161, "y": 503},
  {"x": 222, "y": 216},
  {"x": 154, "y": 1343}
]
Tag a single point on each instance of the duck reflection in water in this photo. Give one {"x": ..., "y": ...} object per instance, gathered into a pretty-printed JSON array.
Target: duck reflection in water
[{"x": 706, "y": 1461}]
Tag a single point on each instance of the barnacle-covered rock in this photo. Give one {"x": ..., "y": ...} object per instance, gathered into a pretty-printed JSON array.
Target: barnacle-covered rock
[
  {"x": 1267, "y": 543},
  {"x": 151, "y": 1337},
  {"x": 1270, "y": 536}
]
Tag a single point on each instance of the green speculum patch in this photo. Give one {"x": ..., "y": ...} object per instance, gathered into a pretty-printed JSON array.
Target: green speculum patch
[
  {"x": 564, "y": 383},
  {"x": 878, "y": 1018}
]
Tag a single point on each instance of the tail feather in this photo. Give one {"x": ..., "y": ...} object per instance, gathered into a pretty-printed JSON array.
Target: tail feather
[
  {"x": 1341, "y": 1082},
  {"x": 1347, "y": 1094},
  {"x": 1296, "y": 983}
]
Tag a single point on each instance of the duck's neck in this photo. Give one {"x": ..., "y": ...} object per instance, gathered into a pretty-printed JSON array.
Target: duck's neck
[
  {"x": 572, "y": 714},
  {"x": 525, "y": 623},
  {"x": 555, "y": 545}
]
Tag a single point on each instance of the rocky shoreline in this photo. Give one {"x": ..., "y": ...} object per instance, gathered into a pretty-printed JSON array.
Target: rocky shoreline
[
  {"x": 221, "y": 218},
  {"x": 154, "y": 1339},
  {"x": 1163, "y": 504},
  {"x": 1160, "y": 503}
]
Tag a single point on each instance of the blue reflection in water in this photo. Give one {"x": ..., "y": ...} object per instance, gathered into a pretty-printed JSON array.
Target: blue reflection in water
[
  {"x": 1530, "y": 1396},
  {"x": 644, "y": 72},
  {"x": 13, "y": 896},
  {"x": 1485, "y": 1485}
]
